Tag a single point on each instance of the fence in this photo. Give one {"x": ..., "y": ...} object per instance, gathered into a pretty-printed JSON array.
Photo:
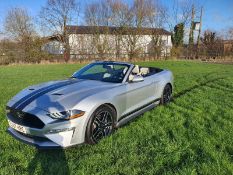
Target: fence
[
  {"x": 186, "y": 52},
  {"x": 203, "y": 53},
  {"x": 122, "y": 57}
]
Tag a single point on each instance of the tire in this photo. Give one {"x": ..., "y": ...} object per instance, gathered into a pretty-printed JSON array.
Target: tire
[
  {"x": 167, "y": 95},
  {"x": 100, "y": 124}
]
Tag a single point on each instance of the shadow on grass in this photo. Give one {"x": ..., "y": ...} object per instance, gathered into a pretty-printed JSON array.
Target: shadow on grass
[
  {"x": 182, "y": 93},
  {"x": 49, "y": 162},
  {"x": 52, "y": 161}
]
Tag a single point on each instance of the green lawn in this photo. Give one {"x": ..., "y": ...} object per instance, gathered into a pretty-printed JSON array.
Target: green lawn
[{"x": 191, "y": 135}]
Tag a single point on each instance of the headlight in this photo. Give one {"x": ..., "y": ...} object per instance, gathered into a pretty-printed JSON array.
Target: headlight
[{"x": 67, "y": 115}]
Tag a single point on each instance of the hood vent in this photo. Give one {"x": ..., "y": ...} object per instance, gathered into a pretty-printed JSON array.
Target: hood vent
[
  {"x": 31, "y": 89},
  {"x": 58, "y": 94}
]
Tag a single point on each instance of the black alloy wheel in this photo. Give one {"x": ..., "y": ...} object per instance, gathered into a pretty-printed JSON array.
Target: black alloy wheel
[{"x": 100, "y": 125}]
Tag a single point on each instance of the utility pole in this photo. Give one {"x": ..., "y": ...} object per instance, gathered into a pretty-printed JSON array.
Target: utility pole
[
  {"x": 199, "y": 31},
  {"x": 192, "y": 26}
]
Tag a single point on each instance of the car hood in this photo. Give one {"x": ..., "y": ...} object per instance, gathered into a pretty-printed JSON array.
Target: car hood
[{"x": 58, "y": 95}]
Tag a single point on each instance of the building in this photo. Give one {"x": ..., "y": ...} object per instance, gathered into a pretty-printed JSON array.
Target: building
[
  {"x": 53, "y": 45},
  {"x": 113, "y": 42},
  {"x": 228, "y": 46}
]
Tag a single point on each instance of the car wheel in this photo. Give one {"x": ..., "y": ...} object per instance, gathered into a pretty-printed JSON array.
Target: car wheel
[
  {"x": 167, "y": 95},
  {"x": 100, "y": 125}
]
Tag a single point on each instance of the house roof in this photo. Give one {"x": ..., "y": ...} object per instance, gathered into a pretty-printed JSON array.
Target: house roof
[
  {"x": 227, "y": 41},
  {"x": 115, "y": 30},
  {"x": 56, "y": 37}
]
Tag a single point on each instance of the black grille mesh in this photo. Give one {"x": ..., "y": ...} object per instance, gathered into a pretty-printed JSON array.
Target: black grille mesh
[{"x": 23, "y": 118}]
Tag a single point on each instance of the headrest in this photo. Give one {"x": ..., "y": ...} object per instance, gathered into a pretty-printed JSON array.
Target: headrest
[
  {"x": 131, "y": 77},
  {"x": 136, "y": 69},
  {"x": 144, "y": 70}
]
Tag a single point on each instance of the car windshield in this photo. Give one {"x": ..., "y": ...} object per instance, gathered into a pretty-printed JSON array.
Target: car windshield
[{"x": 107, "y": 72}]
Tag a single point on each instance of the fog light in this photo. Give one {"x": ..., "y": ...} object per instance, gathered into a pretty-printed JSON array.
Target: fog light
[{"x": 60, "y": 130}]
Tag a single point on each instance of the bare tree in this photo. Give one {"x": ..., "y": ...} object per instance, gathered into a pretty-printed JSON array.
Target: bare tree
[
  {"x": 212, "y": 44},
  {"x": 106, "y": 13},
  {"x": 121, "y": 16},
  {"x": 181, "y": 13},
  {"x": 229, "y": 34},
  {"x": 99, "y": 13},
  {"x": 56, "y": 15},
  {"x": 140, "y": 16},
  {"x": 120, "y": 13},
  {"x": 130, "y": 20},
  {"x": 157, "y": 19},
  {"x": 19, "y": 24}
]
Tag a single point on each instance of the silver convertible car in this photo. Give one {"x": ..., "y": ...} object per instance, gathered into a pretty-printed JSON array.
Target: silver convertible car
[{"x": 87, "y": 106}]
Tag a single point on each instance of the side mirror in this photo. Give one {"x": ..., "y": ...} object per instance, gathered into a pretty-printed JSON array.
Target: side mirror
[{"x": 137, "y": 78}]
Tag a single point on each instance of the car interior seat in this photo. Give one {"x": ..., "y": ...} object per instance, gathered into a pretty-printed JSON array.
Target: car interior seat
[
  {"x": 144, "y": 71},
  {"x": 136, "y": 70}
]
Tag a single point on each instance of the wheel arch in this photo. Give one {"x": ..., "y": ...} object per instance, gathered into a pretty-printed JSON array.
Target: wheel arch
[
  {"x": 112, "y": 107},
  {"x": 170, "y": 84}
]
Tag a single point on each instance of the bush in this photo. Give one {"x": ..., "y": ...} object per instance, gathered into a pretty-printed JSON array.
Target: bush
[{"x": 176, "y": 52}]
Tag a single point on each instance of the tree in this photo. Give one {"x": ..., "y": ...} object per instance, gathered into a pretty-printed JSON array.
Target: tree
[
  {"x": 157, "y": 19},
  {"x": 130, "y": 20},
  {"x": 98, "y": 14},
  {"x": 209, "y": 38},
  {"x": 139, "y": 16},
  {"x": 181, "y": 12},
  {"x": 178, "y": 35},
  {"x": 120, "y": 17},
  {"x": 19, "y": 26},
  {"x": 56, "y": 15},
  {"x": 228, "y": 33},
  {"x": 119, "y": 13},
  {"x": 106, "y": 13},
  {"x": 212, "y": 43}
]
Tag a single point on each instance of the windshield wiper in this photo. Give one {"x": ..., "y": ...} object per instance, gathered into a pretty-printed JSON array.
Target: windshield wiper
[{"x": 73, "y": 77}]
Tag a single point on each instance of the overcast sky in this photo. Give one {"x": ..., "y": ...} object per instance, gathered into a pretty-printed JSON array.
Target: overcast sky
[{"x": 218, "y": 14}]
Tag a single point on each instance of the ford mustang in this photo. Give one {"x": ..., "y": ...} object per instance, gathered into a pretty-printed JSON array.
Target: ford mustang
[{"x": 88, "y": 106}]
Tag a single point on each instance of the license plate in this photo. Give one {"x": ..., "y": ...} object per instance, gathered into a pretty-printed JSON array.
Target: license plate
[{"x": 17, "y": 127}]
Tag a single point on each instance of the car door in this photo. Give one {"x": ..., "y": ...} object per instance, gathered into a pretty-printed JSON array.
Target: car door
[{"x": 139, "y": 94}]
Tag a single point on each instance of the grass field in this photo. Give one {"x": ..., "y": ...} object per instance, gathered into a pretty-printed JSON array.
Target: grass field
[{"x": 191, "y": 135}]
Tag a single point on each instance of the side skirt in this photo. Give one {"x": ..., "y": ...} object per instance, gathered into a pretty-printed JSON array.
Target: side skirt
[{"x": 126, "y": 118}]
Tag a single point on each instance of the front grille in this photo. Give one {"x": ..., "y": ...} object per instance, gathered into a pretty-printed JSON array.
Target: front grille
[{"x": 23, "y": 118}]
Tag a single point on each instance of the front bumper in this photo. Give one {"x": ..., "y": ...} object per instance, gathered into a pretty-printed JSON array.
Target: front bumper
[
  {"x": 67, "y": 133},
  {"x": 35, "y": 141}
]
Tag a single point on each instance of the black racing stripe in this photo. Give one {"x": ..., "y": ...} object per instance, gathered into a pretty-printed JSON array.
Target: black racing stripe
[
  {"x": 31, "y": 94},
  {"x": 21, "y": 104},
  {"x": 40, "y": 93}
]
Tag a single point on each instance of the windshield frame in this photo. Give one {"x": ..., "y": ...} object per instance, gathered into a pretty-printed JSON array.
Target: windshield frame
[{"x": 85, "y": 68}]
